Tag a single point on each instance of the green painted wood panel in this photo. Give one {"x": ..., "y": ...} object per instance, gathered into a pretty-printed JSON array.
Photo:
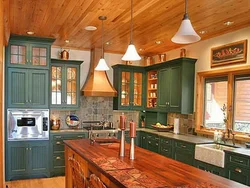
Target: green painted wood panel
[
  {"x": 151, "y": 118},
  {"x": 163, "y": 89},
  {"x": 17, "y": 87},
  {"x": 38, "y": 156},
  {"x": 39, "y": 55},
  {"x": 174, "y": 89},
  {"x": 39, "y": 81}
]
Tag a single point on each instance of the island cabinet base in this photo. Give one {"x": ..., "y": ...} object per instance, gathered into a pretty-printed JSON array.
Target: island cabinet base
[{"x": 85, "y": 168}]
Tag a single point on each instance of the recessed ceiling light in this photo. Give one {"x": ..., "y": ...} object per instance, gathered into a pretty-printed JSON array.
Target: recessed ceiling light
[
  {"x": 141, "y": 49},
  {"x": 228, "y": 23},
  {"x": 90, "y": 28},
  {"x": 108, "y": 43},
  {"x": 67, "y": 41},
  {"x": 30, "y": 32},
  {"x": 158, "y": 42},
  {"x": 203, "y": 32}
]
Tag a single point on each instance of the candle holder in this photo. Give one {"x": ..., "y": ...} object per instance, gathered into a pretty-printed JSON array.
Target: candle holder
[{"x": 122, "y": 143}]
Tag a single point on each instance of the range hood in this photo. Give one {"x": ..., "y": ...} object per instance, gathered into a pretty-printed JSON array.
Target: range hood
[{"x": 97, "y": 84}]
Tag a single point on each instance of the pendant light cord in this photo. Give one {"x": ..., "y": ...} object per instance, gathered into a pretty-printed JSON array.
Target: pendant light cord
[
  {"x": 186, "y": 11},
  {"x": 102, "y": 41},
  {"x": 131, "y": 23}
]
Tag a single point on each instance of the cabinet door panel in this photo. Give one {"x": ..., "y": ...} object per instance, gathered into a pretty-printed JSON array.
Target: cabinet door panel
[
  {"x": 71, "y": 86},
  {"x": 18, "y": 54},
  {"x": 38, "y": 157},
  {"x": 56, "y": 85},
  {"x": 239, "y": 174},
  {"x": 39, "y": 88},
  {"x": 137, "y": 96},
  {"x": 125, "y": 89},
  {"x": 17, "y": 159},
  {"x": 163, "y": 89},
  {"x": 17, "y": 87},
  {"x": 39, "y": 55},
  {"x": 175, "y": 89}
]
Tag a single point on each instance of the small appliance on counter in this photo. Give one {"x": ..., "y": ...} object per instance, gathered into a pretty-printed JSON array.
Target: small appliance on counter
[
  {"x": 28, "y": 124},
  {"x": 55, "y": 124}
]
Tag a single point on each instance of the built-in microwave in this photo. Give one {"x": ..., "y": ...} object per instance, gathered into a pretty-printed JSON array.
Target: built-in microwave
[{"x": 28, "y": 124}]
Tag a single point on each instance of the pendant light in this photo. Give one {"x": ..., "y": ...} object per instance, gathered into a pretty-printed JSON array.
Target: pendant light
[
  {"x": 186, "y": 34},
  {"x": 131, "y": 53},
  {"x": 102, "y": 65}
]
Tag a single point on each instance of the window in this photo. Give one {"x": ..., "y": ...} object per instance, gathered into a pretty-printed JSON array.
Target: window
[
  {"x": 215, "y": 98},
  {"x": 242, "y": 104},
  {"x": 223, "y": 101}
]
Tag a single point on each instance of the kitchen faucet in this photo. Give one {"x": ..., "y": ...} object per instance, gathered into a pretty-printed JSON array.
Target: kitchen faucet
[{"x": 225, "y": 138}]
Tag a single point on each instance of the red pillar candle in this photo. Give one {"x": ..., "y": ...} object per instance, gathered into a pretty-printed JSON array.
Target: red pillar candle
[
  {"x": 132, "y": 129},
  {"x": 123, "y": 122}
]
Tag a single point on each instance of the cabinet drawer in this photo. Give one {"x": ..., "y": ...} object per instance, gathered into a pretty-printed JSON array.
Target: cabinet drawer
[
  {"x": 239, "y": 174},
  {"x": 166, "y": 141},
  {"x": 184, "y": 145},
  {"x": 58, "y": 146},
  {"x": 239, "y": 160},
  {"x": 58, "y": 160},
  {"x": 166, "y": 151}
]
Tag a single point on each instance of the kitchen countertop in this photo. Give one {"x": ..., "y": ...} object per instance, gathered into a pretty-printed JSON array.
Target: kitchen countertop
[
  {"x": 156, "y": 170},
  {"x": 69, "y": 131}
]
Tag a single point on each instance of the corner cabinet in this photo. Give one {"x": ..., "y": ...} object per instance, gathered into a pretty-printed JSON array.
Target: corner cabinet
[
  {"x": 129, "y": 83},
  {"x": 27, "y": 159},
  {"x": 65, "y": 84}
]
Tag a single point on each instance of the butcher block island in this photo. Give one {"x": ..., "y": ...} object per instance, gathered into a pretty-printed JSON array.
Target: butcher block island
[{"x": 86, "y": 163}]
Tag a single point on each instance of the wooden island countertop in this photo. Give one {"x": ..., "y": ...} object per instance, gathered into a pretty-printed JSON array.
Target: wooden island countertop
[{"x": 147, "y": 170}]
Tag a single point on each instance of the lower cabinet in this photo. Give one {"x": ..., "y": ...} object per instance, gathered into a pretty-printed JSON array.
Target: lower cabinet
[
  {"x": 128, "y": 139},
  {"x": 210, "y": 168},
  {"x": 166, "y": 147},
  {"x": 184, "y": 152},
  {"x": 237, "y": 167},
  {"x": 26, "y": 159},
  {"x": 153, "y": 143},
  {"x": 57, "y": 150},
  {"x": 143, "y": 140}
]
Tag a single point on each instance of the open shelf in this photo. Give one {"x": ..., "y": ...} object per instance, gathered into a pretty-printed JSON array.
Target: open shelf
[{"x": 152, "y": 89}]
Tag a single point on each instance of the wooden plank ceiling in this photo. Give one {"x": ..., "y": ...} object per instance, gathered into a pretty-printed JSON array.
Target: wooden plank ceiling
[{"x": 153, "y": 20}]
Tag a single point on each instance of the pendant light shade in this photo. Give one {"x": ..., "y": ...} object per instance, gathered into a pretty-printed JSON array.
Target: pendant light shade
[
  {"x": 186, "y": 34},
  {"x": 131, "y": 53},
  {"x": 102, "y": 65}
]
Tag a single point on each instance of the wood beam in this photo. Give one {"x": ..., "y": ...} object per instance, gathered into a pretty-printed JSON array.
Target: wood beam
[{"x": 6, "y": 21}]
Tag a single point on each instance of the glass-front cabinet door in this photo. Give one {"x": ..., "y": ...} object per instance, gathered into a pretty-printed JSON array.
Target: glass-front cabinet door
[
  {"x": 65, "y": 84},
  {"x": 39, "y": 55},
  {"x": 125, "y": 89},
  {"x": 18, "y": 54}
]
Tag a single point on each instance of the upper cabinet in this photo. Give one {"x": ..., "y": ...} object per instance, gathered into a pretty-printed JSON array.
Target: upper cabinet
[
  {"x": 129, "y": 83},
  {"x": 65, "y": 84},
  {"x": 29, "y": 52},
  {"x": 170, "y": 86}
]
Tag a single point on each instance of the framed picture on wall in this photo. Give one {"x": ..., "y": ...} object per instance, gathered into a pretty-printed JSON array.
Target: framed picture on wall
[{"x": 229, "y": 54}]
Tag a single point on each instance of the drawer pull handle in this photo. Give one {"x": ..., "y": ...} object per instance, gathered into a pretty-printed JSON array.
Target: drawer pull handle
[
  {"x": 238, "y": 170},
  {"x": 58, "y": 137},
  {"x": 79, "y": 136},
  {"x": 149, "y": 142},
  {"x": 157, "y": 144},
  {"x": 58, "y": 143},
  {"x": 165, "y": 150},
  {"x": 183, "y": 146},
  {"x": 239, "y": 161},
  {"x": 166, "y": 142},
  {"x": 58, "y": 158}
]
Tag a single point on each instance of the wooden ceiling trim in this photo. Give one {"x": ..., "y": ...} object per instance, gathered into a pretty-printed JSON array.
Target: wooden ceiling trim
[{"x": 6, "y": 21}]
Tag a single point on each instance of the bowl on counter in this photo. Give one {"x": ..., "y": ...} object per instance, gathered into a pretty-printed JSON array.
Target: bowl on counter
[
  {"x": 72, "y": 121},
  {"x": 163, "y": 128}
]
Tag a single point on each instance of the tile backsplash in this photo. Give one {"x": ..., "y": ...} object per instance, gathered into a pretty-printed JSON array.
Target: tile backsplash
[{"x": 187, "y": 122}]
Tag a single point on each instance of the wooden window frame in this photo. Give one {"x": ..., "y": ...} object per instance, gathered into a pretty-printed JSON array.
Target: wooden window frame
[{"x": 200, "y": 85}]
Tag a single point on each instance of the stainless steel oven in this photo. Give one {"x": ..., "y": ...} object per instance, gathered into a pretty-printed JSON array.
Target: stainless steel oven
[{"x": 28, "y": 124}]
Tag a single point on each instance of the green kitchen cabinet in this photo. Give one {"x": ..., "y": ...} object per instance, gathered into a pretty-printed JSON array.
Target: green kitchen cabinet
[
  {"x": 130, "y": 86},
  {"x": 27, "y": 88},
  {"x": 27, "y": 159},
  {"x": 143, "y": 140},
  {"x": 151, "y": 118},
  {"x": 57, "y": 150},
  {"x": 166, "y": 147},
  {"x": 237, "y": 167},
  {"x": 65, "y": 84},
  {"x": 209, "y": 168},
  {"x": 153, "y": 142},
  {"x": 128, "y": 139},
  {"x": 183, "y": 152},
  {"x": 28, "y": 52},
  {"x": 176, "y": 87}
]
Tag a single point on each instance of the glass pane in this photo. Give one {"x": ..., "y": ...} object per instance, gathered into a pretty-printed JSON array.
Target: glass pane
[
  {"x": 14, "y": 49},
  {"x": 58, "y": 85},
  {"x": 53, "y": 72},
  {"x": 22, "y": 59},
  {"x": 22, "y": 50},
  {"x": 14, "y": 59},
  {"x": 125, "y": 89},
  {"x": 53, "y": 85},
  {"x": 73, "y": 73},
  {"x": 58, "y": 98},
  {"x": 68, "y": 98},
  {"x": 35, "y": 52},
  {"x": 73, "y": 86},
  {"x": 53, "y": 98},
  {"x": 242, "y": 105},
  {"x": 69, "y": 86},
  {"x": 215, "y": 98},
  {"x": 59, "y": 72},
  {"x": 43, "y": 61},
  {"x": 73, "y": 98},
  {"x": 43, "y": 52},
  {"x": 35, "y": 60},
  {"x": 137, "y": 89},
  {"x": 69, "y": 73}
]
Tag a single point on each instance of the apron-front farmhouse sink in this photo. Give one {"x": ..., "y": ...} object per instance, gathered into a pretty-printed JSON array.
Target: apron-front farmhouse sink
[{"x": 212, "y": 153}]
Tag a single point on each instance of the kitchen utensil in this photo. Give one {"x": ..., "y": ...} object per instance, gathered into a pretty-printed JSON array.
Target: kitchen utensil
[{"x": 55, "y": 124}]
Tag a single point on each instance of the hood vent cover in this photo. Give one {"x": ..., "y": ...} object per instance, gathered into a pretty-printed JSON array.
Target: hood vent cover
[{"x": 97, "y": 84}]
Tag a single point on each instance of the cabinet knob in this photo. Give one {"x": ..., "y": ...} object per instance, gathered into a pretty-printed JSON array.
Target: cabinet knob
[
  {"x": 30, "y": 100},
  {"x": 27, "y": 149},
  {"x": 183, "y": 146},
  {"x": 30, "y": 149},
  {"x": 143, "y": 137},
  {"x": 149, "y": 142},
  {"x": 58, "y": 143},
  {"x": 238, "y": 170},
  {"x": 58, "y": 158},
  {"x": 166, "y": 142},
  {"x": 165, "y": 150},
  {"x": 157, "y": 144}
]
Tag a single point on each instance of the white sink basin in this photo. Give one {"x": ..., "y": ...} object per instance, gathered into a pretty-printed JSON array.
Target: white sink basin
[{"x": 211, "y": 153}]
